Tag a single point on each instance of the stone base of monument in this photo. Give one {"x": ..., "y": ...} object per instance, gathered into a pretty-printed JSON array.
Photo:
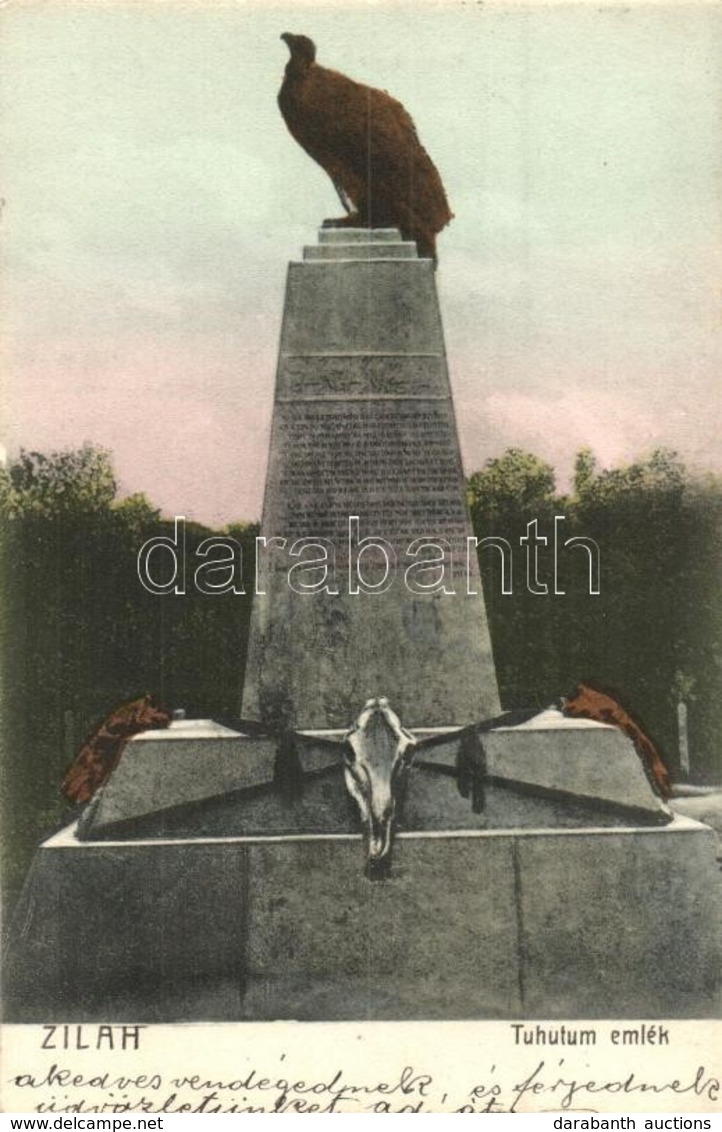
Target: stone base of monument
[
  {"x": 199, "y": 777},
  {"x": 593, "y": 923},
  {"x": 565, "y": 897}
]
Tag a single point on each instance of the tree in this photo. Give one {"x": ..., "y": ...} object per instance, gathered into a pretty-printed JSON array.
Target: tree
[
  {"x": 511, "y": 492},
  {"x": 585, "y": 468},
  {"x": 512, "y": 484},
  {"x": 79, "y": 633},
  {"x": 136, "y": 511},
  {"x": 58, "y": 484},
  {"x": 658, "y": 528},
  {"x": 661, "y": 478}
]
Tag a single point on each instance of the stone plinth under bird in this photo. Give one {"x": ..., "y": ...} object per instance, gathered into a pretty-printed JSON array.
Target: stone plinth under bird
[{"x": 368, "y": 145}]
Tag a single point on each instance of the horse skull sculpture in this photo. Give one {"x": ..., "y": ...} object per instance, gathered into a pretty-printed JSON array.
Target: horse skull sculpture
[{"x": 377, "y": 755}]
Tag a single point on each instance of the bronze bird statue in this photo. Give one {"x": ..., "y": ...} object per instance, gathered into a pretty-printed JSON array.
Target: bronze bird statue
[{"x": 368, "y": 145}]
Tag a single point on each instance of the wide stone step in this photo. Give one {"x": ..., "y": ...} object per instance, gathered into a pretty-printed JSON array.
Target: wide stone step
[
  {"x": 359, "y": 235},
  {"x": 289, "y": 927},
  {"x": 383, "y": 250}
]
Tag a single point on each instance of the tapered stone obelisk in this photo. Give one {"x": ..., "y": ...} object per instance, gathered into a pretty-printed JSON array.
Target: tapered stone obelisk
[{"x": 364, "y": 429}]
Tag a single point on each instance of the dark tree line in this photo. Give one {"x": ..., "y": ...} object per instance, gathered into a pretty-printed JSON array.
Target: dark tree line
[
  {"x": 80, "y": 633},
  {"x": 653, "y": 634}
]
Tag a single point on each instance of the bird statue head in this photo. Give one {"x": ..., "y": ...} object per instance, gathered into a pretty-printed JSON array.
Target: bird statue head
[{"x": 303, "y": 49}]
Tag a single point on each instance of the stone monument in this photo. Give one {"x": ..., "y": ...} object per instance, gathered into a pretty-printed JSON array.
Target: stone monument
[
  {"x": 195, "y": 887},
  {"x": 364, "y": 447}
]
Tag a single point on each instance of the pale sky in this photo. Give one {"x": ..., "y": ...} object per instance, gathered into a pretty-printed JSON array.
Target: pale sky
[{"x": 153, "y": 198}]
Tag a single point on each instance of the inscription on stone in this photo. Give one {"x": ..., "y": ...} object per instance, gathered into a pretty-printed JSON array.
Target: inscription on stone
[
  {"x": 394, "y": 464},
  {"x": 343, "y": 374}
]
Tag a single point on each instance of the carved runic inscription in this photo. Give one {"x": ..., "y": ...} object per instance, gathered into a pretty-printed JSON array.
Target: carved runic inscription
[{"x": 361, "y": 374}]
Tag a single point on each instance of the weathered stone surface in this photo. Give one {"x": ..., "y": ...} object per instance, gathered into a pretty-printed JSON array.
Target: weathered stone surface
[
  {"x": 705, "y": 807},
  {"x": 114, "y": 930},
  {"x": 361, "y": 375},
  {"x": 575, "y": 757},
  {"x": 331, "y": 235},
  {"x": 592, "y": 770},
  {"x": 423, "y": 944},
  {"x": 321, "y": 804},
  {"x": 183, "y": 764},
  {"x": 584, "y": 923},
  {"x": 355, "y": 649},
  {"x": 362, "y": 305},
  {"x": 364, "y": 426},
  {"x": 578, "y": 756},
  {"x": 621, "y": 923},
  {"x": 356, "y": 250}
]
